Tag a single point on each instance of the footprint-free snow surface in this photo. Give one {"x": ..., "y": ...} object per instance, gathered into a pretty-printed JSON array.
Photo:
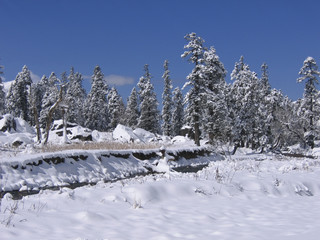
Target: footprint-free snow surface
[{"x": 245, "y": 197}]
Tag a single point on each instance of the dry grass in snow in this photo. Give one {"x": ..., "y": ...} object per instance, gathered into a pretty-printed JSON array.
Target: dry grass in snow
[{"x": 97, "y": 146}]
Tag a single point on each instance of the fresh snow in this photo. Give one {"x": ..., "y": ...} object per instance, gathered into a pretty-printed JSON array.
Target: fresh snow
[{"x": 246, "y": 196}]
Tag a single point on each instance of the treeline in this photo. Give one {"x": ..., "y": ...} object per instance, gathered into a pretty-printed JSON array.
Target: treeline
[{"x": 246, "y": 112}]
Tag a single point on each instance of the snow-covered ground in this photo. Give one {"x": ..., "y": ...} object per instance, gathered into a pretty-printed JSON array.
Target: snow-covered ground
[
  {"x": 245, "y": 196},
  {"x": 250, "y": 196}
]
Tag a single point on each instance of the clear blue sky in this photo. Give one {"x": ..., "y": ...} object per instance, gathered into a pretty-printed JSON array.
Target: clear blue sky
[{"x": 122, "y": 36}]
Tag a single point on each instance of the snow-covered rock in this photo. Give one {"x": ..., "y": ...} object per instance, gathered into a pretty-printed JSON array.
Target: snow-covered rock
[
  {"x": 144, "y": 135},
  {"x": 124, "y": 134},
  {"x": 7, "y": 123},
  {"x": 75, "y": 132},
  {"x": 15, "y": 132},
  {"x": 127, "y": 135}
]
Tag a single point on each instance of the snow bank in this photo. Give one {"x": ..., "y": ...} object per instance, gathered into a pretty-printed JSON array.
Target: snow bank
[
  {"x": 15, "y": 132},
  {"x": 62, "y": 169},
  {"x": 127, "y": 135},
  {"x": 124, "y": 134},
  {"x": 232, "y": 199},
  {"x": 32, "y": 172}
]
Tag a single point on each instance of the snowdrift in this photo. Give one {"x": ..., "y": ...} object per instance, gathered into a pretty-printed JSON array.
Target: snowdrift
[
  {"x": 67, "y": 168},
  {"x": 15, "y": 132},
  {"x": 128, "y": 135},
  {"x": 247, "y": 196}
]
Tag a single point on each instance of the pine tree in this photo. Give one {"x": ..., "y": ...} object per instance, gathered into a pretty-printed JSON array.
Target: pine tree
[
  {"x": 166, "y": 102},
  {"x": 131, "y": 115},
  {"x": 311, "y": 109},
  {"x": 17, "y": 100},
  {"x": 266, "y": 115},
  {"x": 115, "y": 107},
  {"x": 96, "y": 106},
  {"x": 2, "y": 94},
  {"x": 149, "y": 115},
  {"x": 194, "y": 50},
  {"x": 143, "y": 82},
  {"x": 39, "y": 90},
  {"x": 75, "y": 97},
  {"x": 50, "y": 96},
  {"x": 266, "y": 88},
  {"x": 286, "y": 125},
  {"x": 214, "y": 102},
  {"x": 177, "y": 111},
  {"x": 245, "y": 106}
]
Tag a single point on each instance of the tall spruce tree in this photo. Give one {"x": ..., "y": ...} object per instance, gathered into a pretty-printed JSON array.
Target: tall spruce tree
[
  {"x": 17, "y": 99},
  {"x": 131, "y": 115},
  {"x": 214, "y": 102},
  {"x": 310, "y": 108},
  {"x": 166, "y": 114},
  {"x": 177, "y": 111},
  {"x": 115, "y": 108},
  {"x": 194, "y": 53},
  {"x": 75, "y": 97},
  {"x": 96, "y": 106},
  {"x": 149, "y": 115},
  {"x": 39, "y": 90},
  {"x": 245, "y": 101},
  {"x": 265, "y": 108}
]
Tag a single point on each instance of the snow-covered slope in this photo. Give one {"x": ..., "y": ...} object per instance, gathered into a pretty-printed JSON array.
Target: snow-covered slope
[
  {"x": 47, "y": 170},
  {"x": 252, "y": 198}
]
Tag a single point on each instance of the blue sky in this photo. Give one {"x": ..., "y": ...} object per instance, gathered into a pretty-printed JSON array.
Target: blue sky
[{"x": 123, "y": 35}]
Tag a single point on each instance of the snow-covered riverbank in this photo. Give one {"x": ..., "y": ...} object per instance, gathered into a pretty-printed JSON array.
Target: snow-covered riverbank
[{"x": 252, "y": 197}]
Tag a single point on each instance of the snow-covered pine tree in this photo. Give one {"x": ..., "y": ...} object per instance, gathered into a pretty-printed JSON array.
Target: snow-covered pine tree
[
  {"x": 50, "y": 96},
  {"x": 266, "y": 88},
  {"x": 177, "y": 111},
  {"x": 310, "y": 108},
  {"x": 96, "y": 106},
  {"x": 143, "y": 81},
  {"x": 131, "y": 115},
  {"x": 194, "y": 52},
  {"x": 286, "y": 125},
  {"x": 245, "y": 99},
  {"x": 166, "y": 114},
  {"x": 37, "y": 92},
  {"x": 115, "y": 108},
  {"x": 149, "y": 115},
  {"x": 214, "y": 102},
  {"x": 2, "y": 94},
  {"x": 75, "y": 97},
  {"x": 265, "y": 108},
  {"x": 17, "y": 99}
]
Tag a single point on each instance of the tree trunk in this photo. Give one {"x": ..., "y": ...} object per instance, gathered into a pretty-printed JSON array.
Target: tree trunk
[
  {"x": 197, "y": 133},
  {"x": 35, "y": 115},
  {"x": 65, "y": 136},
  {"x": 235, "y": 149},
  {"x": 49, "y": 117},
  {"x": 36, "y": 120}
]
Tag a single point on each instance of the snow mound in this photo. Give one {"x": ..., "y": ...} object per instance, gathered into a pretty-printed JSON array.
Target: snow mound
[
  {"x": 144, "y": 135},
  {"x": 24, "y": 127},
  {"x": 127, "y": 135},
  {"x": 124, "y": 134},
  {"x": 15, "y": 132}
]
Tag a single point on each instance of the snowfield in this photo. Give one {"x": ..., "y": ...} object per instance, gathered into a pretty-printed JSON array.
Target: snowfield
[
  {"x": 244, "y": 196},
  {"x": 247, "y": 196}
]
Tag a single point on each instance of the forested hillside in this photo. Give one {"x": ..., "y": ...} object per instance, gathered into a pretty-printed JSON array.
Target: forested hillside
[{"x": 245, "y": 113}]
